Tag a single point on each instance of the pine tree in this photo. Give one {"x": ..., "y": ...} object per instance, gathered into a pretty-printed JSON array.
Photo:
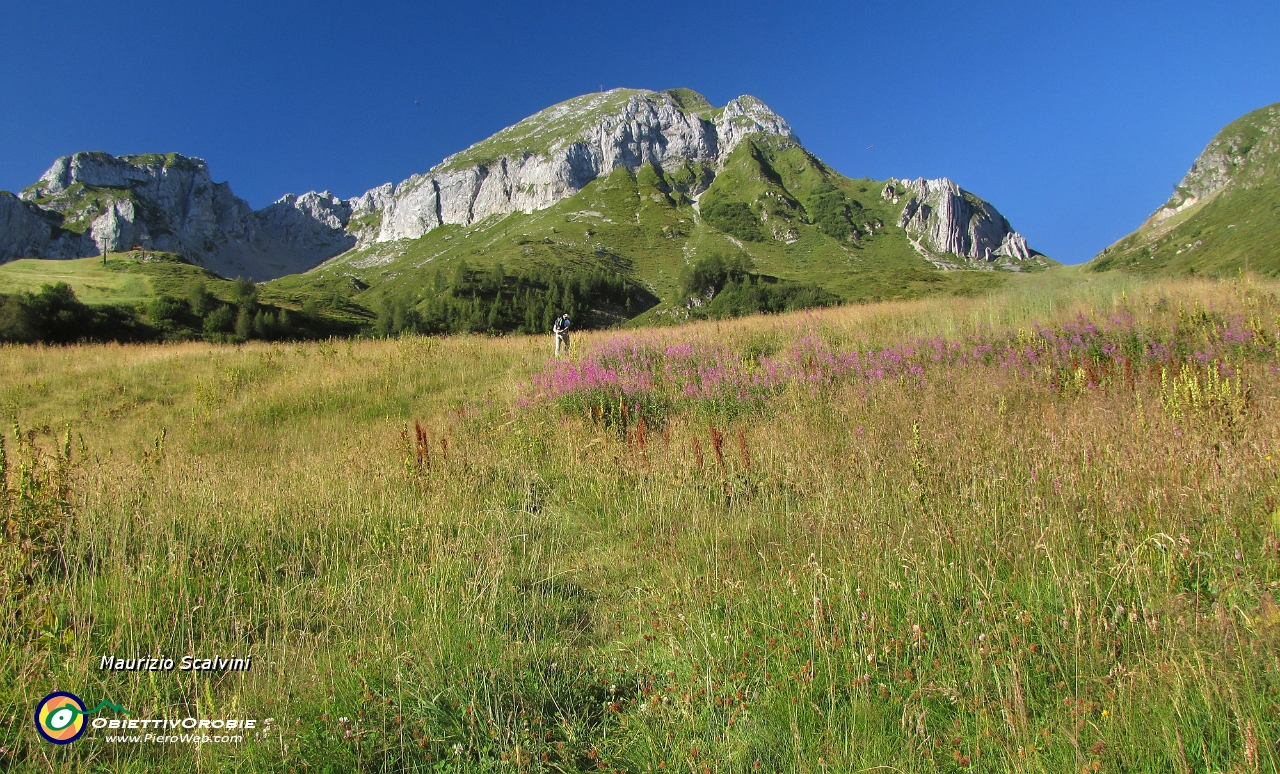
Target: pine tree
[
  {"x": 494, "y": 323},
  {"x": 244, "y": 323},
  {"x": 262, "y": 325},
  {"x": 246, "y": 293}
]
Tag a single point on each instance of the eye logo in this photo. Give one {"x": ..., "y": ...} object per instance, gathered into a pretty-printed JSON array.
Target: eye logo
[{"x": 60, "y": 716}]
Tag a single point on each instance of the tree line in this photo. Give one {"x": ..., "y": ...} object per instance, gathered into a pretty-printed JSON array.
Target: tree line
[
  {"x": 718, "y": 286},
  {"x": 54, "y": 315},
  {"x": 470, "y": 300}
]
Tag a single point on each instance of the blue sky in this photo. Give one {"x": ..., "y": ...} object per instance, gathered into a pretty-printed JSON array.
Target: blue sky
[{"x": 1074, "y": 119}]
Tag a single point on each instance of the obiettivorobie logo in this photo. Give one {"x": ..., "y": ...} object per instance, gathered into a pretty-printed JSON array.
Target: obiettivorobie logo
[{"x": 60, "y": 716}]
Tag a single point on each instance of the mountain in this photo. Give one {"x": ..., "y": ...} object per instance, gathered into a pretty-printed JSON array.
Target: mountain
[
  {"x": 628, "y": 186},
  {"x": 90, "y": 203},
  {"x": 645, "y": 182},
  {"x": 1225, "y": 214}
]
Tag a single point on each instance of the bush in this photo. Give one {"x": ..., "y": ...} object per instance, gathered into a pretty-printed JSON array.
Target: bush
[
  {"x": 170, "y": 315},
  {"x": 733, "y": 218},
  {"x": 58, "y": 315},
  {"x": 16, "y": 323},
  {"x": 55, "y": 316},
  {"x": 830, "y": 210},
  {"x": 220, "y": 321},
  {"x": 708, "y": 276}
]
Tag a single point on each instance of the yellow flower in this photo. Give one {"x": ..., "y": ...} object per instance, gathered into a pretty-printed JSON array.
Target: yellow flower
[{"x": 1105, "y": 713}]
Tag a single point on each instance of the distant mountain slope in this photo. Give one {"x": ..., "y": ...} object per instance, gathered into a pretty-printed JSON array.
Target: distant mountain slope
[
  {"x": 90, "y": 203},
  {"x": 1223, "y": 217},
  {"x": 645, "y": 182}
]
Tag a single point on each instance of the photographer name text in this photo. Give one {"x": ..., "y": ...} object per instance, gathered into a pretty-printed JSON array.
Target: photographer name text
[{"x": 185, "y": 664}]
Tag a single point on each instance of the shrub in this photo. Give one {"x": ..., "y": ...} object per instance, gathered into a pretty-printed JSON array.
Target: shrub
[
  {"x": 733, "y": 218},
  {"x": 220, "y": 321},
  {"x": 830, "y": 210},
  {"x": 708, "y": 276}
]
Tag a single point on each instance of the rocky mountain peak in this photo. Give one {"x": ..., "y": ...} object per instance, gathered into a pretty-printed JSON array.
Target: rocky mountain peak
[
  {"x": 106, "y": 171},
  {"x": 556, "y": 152},
  {"x": 945, "y": 222}
]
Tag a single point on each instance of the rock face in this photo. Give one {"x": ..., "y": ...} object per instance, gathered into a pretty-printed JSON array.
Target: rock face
[
  {"x": 90, "y": 203},
  {"x": 26, "y": 230},
  {"x": 945, "y": 222},
  {"x": 555, "y": 153}
]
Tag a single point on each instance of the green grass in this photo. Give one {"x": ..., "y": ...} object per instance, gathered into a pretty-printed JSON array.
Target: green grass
[
  {"x": 551, "y": 595},
  {"x": 93, "y": 283}
]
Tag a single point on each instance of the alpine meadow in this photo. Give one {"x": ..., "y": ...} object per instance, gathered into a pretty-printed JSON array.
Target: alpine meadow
[
  {"x": 821, "y": 474},
  {"x": 1032, "y": 531}
]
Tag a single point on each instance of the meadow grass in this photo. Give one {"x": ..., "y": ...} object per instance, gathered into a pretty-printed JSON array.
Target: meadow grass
[{"x": 436, "y": 568}]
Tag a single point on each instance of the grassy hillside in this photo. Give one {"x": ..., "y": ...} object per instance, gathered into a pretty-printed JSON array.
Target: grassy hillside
[
  {"x": 124, "y": 278},
  {"x": 646, "y": 226},
  {"x": 1224, "y": 218},
  {"x": 1034, "y": 531},
  {"x": 144, "y": 296}
]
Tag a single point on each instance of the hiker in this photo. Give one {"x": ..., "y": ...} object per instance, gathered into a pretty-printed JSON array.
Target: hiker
[{"x": 561, "y": 331}]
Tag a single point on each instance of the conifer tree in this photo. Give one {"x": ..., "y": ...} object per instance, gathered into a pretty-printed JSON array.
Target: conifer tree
[{"x": 244, "y": 323}]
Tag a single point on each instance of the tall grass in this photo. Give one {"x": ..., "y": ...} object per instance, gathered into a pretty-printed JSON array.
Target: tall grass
[{"x": 436, "y": 568}]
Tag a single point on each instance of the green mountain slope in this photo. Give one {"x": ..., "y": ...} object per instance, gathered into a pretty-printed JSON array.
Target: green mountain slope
[
  {"x": 795, "y": 218},
  {"x": 1224, "y": 216}
]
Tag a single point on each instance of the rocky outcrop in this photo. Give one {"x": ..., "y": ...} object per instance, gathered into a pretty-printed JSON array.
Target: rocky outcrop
[
  {"x": 90, "y": 203},
  {"x": 26, "y": 230},
  {"x": 576, "y": 142},
  {"x": 945, "y": 223}
]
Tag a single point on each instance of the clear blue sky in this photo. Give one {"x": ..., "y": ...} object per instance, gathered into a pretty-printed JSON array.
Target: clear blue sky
[{"x": 1074, "y": 119}]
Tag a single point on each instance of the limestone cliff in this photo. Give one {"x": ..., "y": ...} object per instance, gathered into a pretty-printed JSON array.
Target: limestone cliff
[
  {"x": 952, "y": 228},
  {"x": 88, "y": 203}
]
